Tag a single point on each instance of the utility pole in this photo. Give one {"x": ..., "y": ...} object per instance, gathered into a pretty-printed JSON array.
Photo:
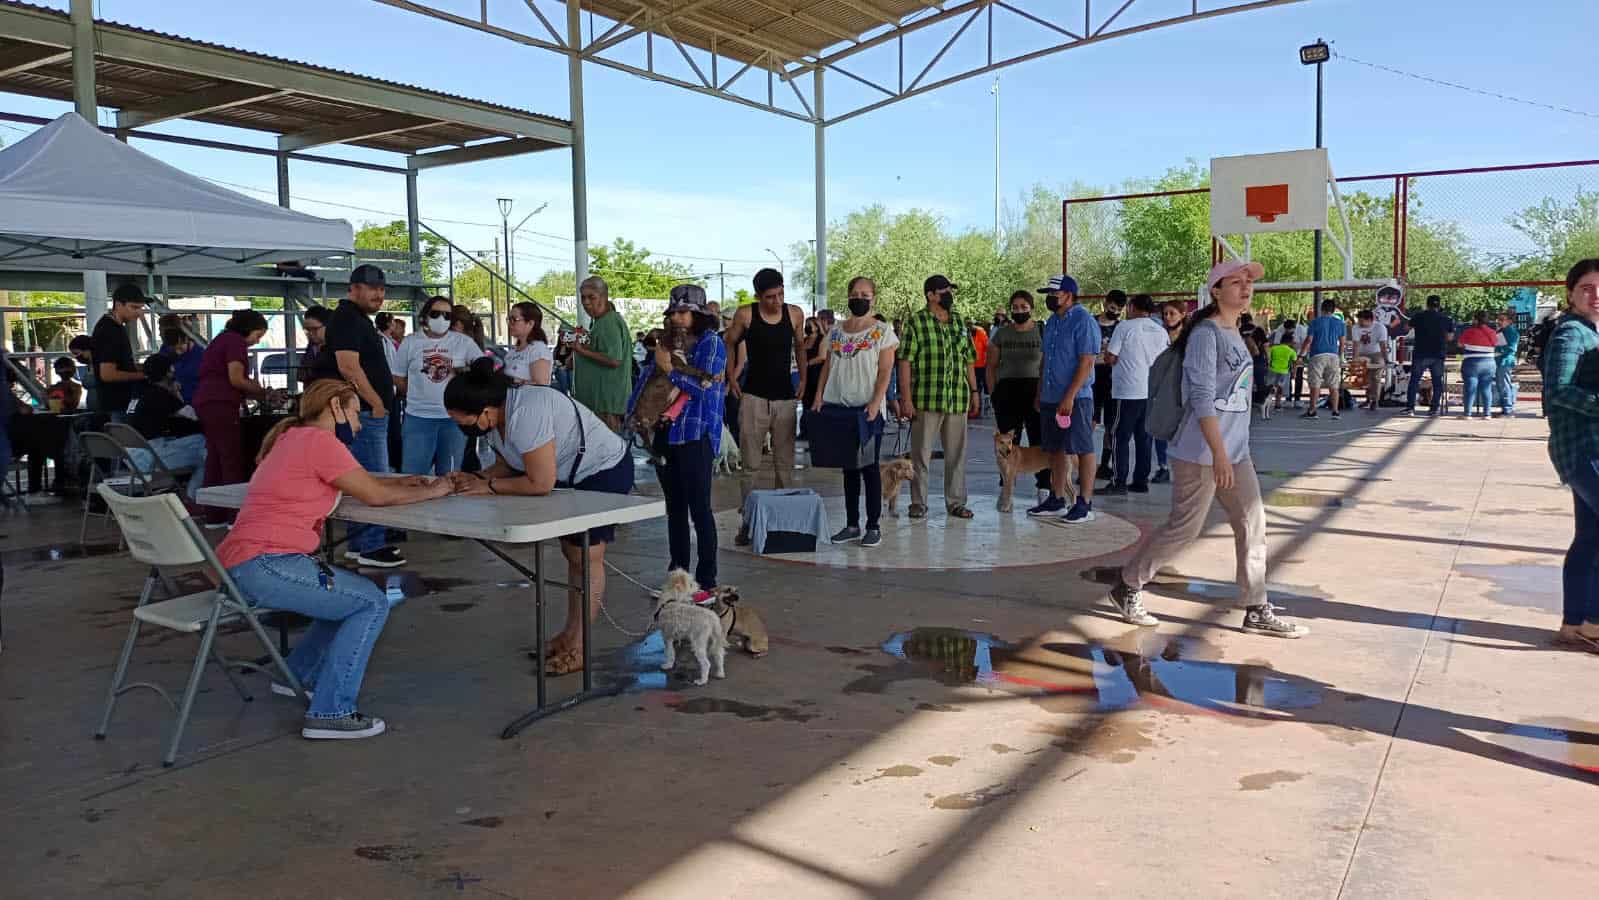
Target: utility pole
[
  {"x": 1317, "y": 55},
  {"x": 721, "y": 279},
  {"x": 995, "y": 91}
]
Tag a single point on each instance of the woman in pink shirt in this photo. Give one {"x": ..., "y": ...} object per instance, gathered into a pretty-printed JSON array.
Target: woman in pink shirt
[{"x": 303, "y": 469}]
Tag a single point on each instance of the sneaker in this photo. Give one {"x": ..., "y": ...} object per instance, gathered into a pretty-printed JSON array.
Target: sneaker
[
  {"x": 348, "y": 728},
  {"x": 1410, "y": 412},
  {"x": 1129, "y": 601},
  {"x": 1162, "y": 476},
  {"x": 742, "y": 539},
  {"x": 1043, "y": 494},
  {"x": 283, "y": 690},
  {"x": 848, "y": 536},
  {"x": 383, "y": 558},
  {"x": 1051, "y": 508},
  {"x": 1081, "y": 511},
  {"x": 1138, "y": 488},
  {"x": 1113, "y": 490},
  {"x": 871, "y": 537},
  {"x": 1105, "y": 473},
  {"x": 1311, "y": 414},
  {"x": 1335, "y": 413},
  {"x": 1263, "y": 619}
]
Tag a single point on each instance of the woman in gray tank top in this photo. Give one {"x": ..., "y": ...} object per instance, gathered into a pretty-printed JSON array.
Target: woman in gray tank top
[{"x": 1015, "y": 354}]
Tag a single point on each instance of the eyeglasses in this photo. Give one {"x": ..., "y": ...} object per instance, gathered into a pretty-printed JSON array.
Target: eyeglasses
[{"x": 514, "y": 319}]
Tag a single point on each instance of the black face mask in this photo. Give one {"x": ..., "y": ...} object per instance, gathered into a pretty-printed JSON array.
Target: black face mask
[
  {"x": 859, "y": 306},
  {"x": 473, "y": 430},
  {"x": 1020, "y": 317},
  {"x": 1052, "y": 302},
  {"x": 946, "y": 300}
]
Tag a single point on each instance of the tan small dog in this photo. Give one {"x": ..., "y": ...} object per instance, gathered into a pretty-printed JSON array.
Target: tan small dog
[
  {"x": 1013, "y": 459},
  {"x": 740, "y": 624},
  {"x": 895, "y": 473}
]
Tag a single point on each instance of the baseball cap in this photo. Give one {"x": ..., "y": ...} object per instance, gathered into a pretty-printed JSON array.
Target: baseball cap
[
  {"x": 690, "y": 297},
  {"x": 1230, "y": 267},
  {"x": 938, "y": 283},
  {"x": 1060, "y": 284},
  {"x": 128, "y": 293},
  {"x": 368, "y": 274}
]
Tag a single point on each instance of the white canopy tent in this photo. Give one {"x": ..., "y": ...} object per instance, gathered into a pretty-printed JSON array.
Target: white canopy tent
[{"x": 74, "y": 198}]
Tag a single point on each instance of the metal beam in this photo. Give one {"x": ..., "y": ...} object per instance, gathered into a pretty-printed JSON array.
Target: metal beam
[
  {"x": 474, "y": 24},
  {"x": 808, "y": 21},
  {"x": 769, "y": 106},
  {"x": 475, "y": 152},
  {"x": 82, "y": 19},
  {"x": 353, "y": 132},
  {"x": 29, "y": 58},
  {"x": 184, "y": 106}
]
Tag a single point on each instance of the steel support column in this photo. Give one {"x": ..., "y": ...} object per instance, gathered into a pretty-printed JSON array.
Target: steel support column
[
  {"x": 819, "y": 301},
  {"x": 83, "y": 61},
  {"x": 580, "y": 188},
  {"x": 413, "y": 233},
  {"x": 291, "y": 300}
]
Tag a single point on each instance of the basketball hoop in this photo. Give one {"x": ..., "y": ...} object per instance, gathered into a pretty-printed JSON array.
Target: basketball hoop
[{"x": 1264, "y": 203}]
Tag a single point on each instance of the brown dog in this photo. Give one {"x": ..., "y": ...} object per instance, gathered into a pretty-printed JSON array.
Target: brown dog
[
  {"x": 656, "y": 399},
  {"x": 1013, "y": 459},
  {"x": 895, "y": 473},
  {"x": 741, "y": 625}
]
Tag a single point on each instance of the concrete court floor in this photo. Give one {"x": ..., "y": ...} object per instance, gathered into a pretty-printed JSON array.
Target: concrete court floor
[{"x": 1425, "y": 740}]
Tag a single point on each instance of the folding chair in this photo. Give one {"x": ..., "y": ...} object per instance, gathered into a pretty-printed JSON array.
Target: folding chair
[
  {"x": 161, "y": 533},
  {"x": 159, "y": 472},
  {"x": 110, "y": 464}
]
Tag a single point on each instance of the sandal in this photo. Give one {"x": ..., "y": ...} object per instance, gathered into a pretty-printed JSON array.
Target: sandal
[
  {"x": 960, "y": 512},
  {"x": 555, "y": 647},
  {"x": 917, "y": 511},
  {"x": 566, "y": 662}
]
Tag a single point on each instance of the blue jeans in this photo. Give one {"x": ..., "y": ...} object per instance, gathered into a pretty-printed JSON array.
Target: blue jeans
[
  {"x": 186, "y": 452},
  {"x": 1503, "y": 387},
  {"x": 371, "y": 450},
  {"x": 1160, "y": 454},
  {"x": 1131, "y": 416},
  {"x": 1477, "y": 377},
  {"x": 331, "y": 658},
  {"x": 431, "y": 446},
  {"x": 1418, "y": 365},
  {"x": 1580, "y": 577}
]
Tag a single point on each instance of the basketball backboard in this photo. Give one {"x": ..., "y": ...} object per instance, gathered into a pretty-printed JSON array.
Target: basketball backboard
[{"x": 1265, "y": 192}]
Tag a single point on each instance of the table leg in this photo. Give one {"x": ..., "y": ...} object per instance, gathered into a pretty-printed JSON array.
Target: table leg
[
  {"x": 538, "y": 619},
  {"x": 586, "y": 599}
]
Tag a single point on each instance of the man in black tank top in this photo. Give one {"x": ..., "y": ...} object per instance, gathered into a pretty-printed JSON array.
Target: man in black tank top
[{"x": 766, "y": 341}]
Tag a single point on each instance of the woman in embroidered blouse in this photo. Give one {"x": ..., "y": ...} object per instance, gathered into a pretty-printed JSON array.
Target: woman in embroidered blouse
[{"x": 860, "y": 359}]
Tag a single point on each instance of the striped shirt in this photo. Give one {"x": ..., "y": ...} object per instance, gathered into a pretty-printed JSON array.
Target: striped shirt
[
  {"x": 702, "y": 416},
  {"x": 1571, "y": 407}
]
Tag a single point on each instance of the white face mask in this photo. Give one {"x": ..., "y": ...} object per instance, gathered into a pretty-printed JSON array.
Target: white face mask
[{"x": 438, "y": 324}]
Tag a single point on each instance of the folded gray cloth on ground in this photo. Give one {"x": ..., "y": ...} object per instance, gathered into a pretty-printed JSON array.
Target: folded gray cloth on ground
[{"x": 796, "y": 509}]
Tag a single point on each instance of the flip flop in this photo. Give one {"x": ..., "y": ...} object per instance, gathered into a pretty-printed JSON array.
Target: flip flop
[
  {"x": 961, "y": 512},
  {"x": 566, "y": 662},
  {"x": 917, "y": 511}
]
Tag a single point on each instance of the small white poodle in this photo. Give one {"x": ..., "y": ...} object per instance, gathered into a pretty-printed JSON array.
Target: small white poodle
[{"x": 681, "y": 619}]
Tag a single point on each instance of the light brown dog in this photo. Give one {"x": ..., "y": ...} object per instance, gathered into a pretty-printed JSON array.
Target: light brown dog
[
  {"x": 895, "y": 473},
  {"x": 742, "y": 626},
  {"x": 1025, "y": 460}
]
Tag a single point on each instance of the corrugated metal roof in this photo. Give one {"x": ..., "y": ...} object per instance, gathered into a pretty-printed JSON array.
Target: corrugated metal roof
[
  {"x": 134, "y": 84},
  {"x": 743, "y": 29}
]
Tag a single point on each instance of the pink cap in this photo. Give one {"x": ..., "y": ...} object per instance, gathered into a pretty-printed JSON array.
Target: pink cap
[{"x": 1230, "y": 267}]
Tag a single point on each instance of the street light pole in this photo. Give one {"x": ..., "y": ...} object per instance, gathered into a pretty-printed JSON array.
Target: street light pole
[
  {"x": 995, "y": 91},
  {"x": 510, "y": 256},
  {"x": 1317, "y": 55},
  {"x": 779, "y": 262}
]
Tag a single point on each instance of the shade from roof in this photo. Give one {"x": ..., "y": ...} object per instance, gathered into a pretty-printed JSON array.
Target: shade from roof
[{"x": 73, "y": 197}]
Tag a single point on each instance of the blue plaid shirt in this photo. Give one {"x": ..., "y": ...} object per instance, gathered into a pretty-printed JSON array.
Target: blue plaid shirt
[{"x": 702, "y": 417}]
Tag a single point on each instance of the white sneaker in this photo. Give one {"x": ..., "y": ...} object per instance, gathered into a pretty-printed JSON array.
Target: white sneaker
[
  {"x": 1043, "y": 494},
  {"x": 283, "y": 690}
]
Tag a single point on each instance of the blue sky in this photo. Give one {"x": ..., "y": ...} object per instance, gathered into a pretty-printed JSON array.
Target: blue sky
[{"x": 704, "y": 180}]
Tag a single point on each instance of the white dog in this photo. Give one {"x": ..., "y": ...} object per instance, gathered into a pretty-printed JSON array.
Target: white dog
[
  {"x": 728, "y": 460},
  {"x": 681, "y": 619}
]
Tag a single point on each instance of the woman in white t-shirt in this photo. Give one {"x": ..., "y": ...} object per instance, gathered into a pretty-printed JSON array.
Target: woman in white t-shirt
[
  {"x": 543, "y": 438},
  {"x": 860, "y": 360},
  {"x": 1370, "y": 338},
  {"x": 425, "y": 363},
  {"x": 530, "y": 358}
]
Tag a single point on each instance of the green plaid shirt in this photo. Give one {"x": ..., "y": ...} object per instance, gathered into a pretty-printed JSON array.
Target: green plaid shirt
[
  {"x": 1572, "y": 409},
  {"x": 940, "y": 355}
]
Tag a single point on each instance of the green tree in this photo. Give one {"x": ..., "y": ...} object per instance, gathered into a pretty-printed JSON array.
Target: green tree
[
  {"x": 396, "y": 238},
  {"x": 630, "y": 271}
]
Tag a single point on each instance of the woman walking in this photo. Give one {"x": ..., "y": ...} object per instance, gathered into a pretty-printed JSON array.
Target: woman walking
[
  {"x": 1015, "y": 357},
  {"x": 427, "y": 360},
  {"x": 530, "y": 359},
  {"x": 1210, "y": 457},
  {"x": 224, "y": 384},
  {"x": 689, "y": 444},
  {"x": 1477, "y": 367},
  {"x": 853, "y": 389},
  {"x": 1571, "y": 401}
]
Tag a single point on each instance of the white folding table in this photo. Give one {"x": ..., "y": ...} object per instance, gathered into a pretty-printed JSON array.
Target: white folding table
[{"x": 493, "y": 521}]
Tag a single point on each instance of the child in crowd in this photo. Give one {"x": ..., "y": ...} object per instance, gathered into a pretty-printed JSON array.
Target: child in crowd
[{"x": 1280, "y": 363}]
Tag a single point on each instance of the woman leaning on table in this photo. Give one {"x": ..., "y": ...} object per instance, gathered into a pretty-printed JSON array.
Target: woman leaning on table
[
  {"x": 1571, "y": 401},
  {"x": 303, "y": 468},
  {"x": 543, "y": 438}
]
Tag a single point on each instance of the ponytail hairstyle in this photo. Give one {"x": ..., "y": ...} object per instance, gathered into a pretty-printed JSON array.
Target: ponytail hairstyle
[
  {"x": 478, "y": 389},
  {"x": 470, "y": 324},
  {"x": 1203, "y": 314},
  {"x": 318, "y": 396},
  {"x": 532, "y": 313}
]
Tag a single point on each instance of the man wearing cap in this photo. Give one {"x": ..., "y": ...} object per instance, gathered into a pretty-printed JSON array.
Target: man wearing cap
[
  {"x": 600, "y": 381},
  {"x": 1066, "y": 400},
  {"x": 111, "y": 354},
  {"x": 937, "y": 391},
  {"x": 767, "y": 341},
  {"x": 357, "y": 353}
]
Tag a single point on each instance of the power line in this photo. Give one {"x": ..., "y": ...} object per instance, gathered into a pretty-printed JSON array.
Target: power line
[{"x": 1467, "y": 88}]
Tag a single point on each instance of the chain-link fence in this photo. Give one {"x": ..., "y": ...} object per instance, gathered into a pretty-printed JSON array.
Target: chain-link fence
[{"x": 1472, "y": 236}]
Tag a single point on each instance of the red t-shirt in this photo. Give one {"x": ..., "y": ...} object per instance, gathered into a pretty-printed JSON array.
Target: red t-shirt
[
  {"x": 980, "y": 344},
  {"x": 215, "y": 389},
  {"x": 289, "y": 497}
]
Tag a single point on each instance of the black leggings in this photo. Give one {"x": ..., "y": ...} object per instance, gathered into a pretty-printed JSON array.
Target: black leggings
[
  {"x": 686, "y": 485},
  {"x": 872, "y": 475},
  {"x": 1014, "y": 411}
]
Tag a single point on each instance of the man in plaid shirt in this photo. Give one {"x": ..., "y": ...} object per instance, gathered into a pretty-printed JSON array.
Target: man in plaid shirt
[
  {"x": 937, "y": 391},
  {"x": 1571, "y": 401}
]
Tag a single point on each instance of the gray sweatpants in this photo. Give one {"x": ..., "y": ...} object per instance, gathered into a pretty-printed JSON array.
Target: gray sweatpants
[{"x": 1193, "y": 488}]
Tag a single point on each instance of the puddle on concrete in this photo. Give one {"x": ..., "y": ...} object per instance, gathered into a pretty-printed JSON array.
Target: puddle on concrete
[
  {"x": 1263, "y": 781},
  {"x": 704, "y": 705},
  {"x": 1300, "y": 498},
  {"x": 58, "y": 552},
  {"x": 1565, "y": 742},
  {"x": 900, "y": 771},
  {"x": 456, "y": 607},
  {"x": 1424, "y": 506},
  {"x": 943, "y": 760},
  {"x": 485, "y": 822},
  {"x": 1526, "y": 583},
  {"x": 388, "y": 852},
  {"x": 950, "y": 656},
  {"x": 973, "y": 799},
  {"x": 1002, "y": 748}
]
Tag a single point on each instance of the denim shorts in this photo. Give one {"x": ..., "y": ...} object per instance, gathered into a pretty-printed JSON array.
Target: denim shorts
[
  {"x": 618, "y": 479},
  {"x": 1077, "y": 439}
]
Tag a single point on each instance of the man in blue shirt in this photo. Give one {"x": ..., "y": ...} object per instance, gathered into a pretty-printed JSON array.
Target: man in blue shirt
[
  {"x": 1505, "y": 362},
  {"x": 1324, "y": 353},
  {"x": 1066, "y": 399}
]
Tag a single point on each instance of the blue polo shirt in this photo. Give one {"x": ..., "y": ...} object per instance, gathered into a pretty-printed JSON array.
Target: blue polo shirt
[
  {"x": 1066, "y": 340},
  {"x": 1324, "y": 334}
]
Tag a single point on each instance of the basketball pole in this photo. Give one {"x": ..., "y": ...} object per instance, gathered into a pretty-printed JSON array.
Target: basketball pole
[{"x": 1317, "y": 262}]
